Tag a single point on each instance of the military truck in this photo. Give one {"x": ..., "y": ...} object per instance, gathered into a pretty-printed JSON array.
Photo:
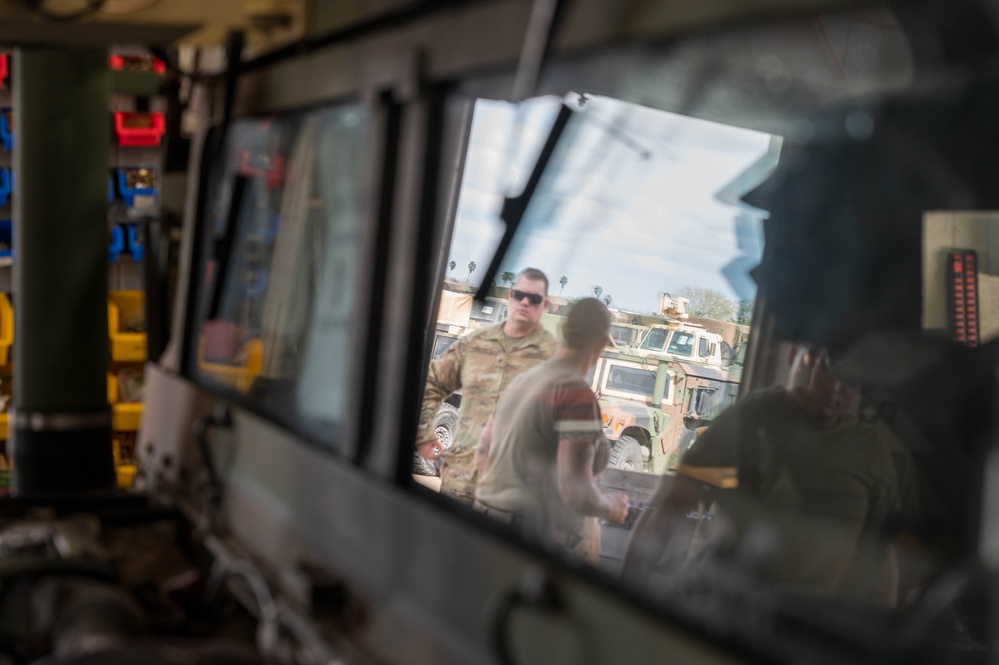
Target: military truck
[
  {"x": 652, "y": 407},
  {"x": 677, "y": 338},
  {"x": 688, "y": 342}
]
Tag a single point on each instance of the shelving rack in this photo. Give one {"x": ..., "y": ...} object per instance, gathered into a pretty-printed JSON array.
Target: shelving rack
[{"x": 136, "y": 115}]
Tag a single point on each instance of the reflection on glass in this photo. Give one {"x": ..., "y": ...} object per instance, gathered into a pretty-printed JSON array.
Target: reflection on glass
[
  {"x": 628, "y": 202},
  {"x": 282, "y": 242},
  {"x": 791, "y": 472},
  {"x": 837, "y": 500}
]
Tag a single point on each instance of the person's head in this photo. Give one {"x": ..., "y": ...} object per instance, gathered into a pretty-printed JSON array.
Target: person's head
[
  {"x": 586, "y": 328},
  {"x": 814, "y": 384},
  {"x": 527, "y": 300}
]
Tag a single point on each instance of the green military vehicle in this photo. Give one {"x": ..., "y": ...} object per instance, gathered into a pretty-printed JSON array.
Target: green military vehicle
[{"x": 652, "y": 407}]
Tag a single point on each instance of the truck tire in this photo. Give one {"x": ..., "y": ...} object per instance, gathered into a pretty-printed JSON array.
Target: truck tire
[
  {"x": 627, "y": 454},
  {"x": 445, "y": 424}
]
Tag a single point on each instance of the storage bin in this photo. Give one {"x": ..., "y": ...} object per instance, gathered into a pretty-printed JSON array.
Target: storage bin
[
  {"x": 117, "y": 244},
  {"x": 125, "y": 475},
  {"x": 7, "y": 128},
  {"x": 126, "y": 417},
  {"x": 134, "y": 240},
  {"x": 6, "y": 186},
  {"x": 137, "y": 186},
  {"x": 137, "y": 63},
  {"x": 123, "y": 307},
  {"x": 6, "y": 332},
  {"x": 134, "y": 129},
  {"x": 239, "y": 375}
]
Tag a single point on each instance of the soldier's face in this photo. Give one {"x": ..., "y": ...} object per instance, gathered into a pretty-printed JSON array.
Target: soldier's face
[
  {"x": 522, "y": 310},
  {"x": 819, "y": 390}
]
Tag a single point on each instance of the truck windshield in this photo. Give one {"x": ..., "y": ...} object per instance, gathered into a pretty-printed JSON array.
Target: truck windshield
[
  {"x": 655, "y": 340},
  {"x": 682, "y": 344}
]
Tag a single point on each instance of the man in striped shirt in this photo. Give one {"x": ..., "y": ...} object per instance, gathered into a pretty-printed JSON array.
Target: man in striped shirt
[{"x": 544, "y": 445}]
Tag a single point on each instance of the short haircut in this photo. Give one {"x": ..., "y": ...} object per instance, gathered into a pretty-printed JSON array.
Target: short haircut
[
  {"x": 587, "y": 325},
  {"x": 536, "y": 275}
]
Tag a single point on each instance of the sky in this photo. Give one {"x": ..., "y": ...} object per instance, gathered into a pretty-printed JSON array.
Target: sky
[{"x": 632, "y": 206}]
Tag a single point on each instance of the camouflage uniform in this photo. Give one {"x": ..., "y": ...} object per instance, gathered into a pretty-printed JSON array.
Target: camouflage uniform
[{"x": 481, "y": 364}]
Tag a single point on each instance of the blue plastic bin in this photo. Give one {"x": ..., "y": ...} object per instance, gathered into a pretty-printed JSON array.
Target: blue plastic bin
[
  {"x": 134, "y": 242},
  {"x": 6, "y": 129},
  {"x": 6, "y": 238},
  {"x": 117, "y": 245},
  {"x": 6, "y": 186},
  {"x": 127, "y": 193}
]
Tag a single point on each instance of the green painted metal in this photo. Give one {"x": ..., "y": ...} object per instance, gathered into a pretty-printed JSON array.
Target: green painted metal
[{"x": 62, "y": 136}]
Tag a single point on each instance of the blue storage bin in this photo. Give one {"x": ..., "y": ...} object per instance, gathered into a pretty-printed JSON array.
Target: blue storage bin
[
  {"x": 6, "y": 238},
  {"x": 134, "y": 242},
  {"x": 6, "y": 129},
  {"x": 6, "y": 186},
  {"x": 129, "y": 194},
  {"x": 117, "y": 245}
]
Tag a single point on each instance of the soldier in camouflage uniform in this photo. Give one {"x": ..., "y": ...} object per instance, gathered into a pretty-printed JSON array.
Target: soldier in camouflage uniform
[{"x": 481, "y": 364}]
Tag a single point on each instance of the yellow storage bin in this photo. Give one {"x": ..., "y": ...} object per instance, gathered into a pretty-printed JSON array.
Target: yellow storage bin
[
  {"x": 3, "y": 426},
  {"x": 239, "y": 376},
  {"x": 125, "y": 313},
  {"x": 126, "y": 417},
  {"x": 126, "y": 475},
  {"x": 6, "y": 328}
]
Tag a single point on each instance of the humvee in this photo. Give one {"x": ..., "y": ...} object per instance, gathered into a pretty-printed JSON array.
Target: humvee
[{"x": 652, "y": 407}]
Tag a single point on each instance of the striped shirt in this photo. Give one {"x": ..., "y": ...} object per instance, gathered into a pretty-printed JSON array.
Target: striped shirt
[{"x": 549, "y": 402}]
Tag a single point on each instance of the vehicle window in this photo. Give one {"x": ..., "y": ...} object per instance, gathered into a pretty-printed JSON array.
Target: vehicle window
[
  {"x": 636, "y": 381},
  {"x": 442, "y": 343},
  {"x": 704, "y": 403},
  {"x": 833, "y": 493},
  {"x": 281, "y": 242},
  {"x": 622, "y": 335},
  {"x": 655, "y": 339},
  {"x": 682, "y": 344}
]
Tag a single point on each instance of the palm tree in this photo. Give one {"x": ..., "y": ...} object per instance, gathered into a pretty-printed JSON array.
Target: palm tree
[
  {"x": 597, "y": 290},
  {"x": 607, "y": 299},
  {"x": 471, "y": 269},
  {"x": 508, "y": 277},
  {"x": 563, "y": 280},
  {"x": 450, "y": 267}
]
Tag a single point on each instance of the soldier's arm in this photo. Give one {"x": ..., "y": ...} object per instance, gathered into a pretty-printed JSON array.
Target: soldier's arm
[
  {"x": 574, "y": 474},
  {"x": 482, "y": 447},
  {"x": 663, "y": 531},
  {"x": 662, "y": 535},
  {"x": 443, "y": 379}
]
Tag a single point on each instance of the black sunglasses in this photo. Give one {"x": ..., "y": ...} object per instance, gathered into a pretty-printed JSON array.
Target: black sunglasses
[{"x": 533, "y": 298}]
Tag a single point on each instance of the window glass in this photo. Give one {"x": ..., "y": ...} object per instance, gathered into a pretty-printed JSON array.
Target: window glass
[
  {"x": 281, "y": 243},
  {"x": 655, "y": 339},
  {"x": 682, "y": 344},
  {"x": 817, "y": 476},
  {"x": 629, "y": 380}
]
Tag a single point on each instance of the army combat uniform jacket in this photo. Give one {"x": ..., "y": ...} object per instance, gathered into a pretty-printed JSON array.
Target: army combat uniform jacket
[{"x": 481, "y": 365}]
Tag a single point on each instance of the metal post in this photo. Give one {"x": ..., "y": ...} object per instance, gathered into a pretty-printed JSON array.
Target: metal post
[{"x": 62, "y": 421}]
